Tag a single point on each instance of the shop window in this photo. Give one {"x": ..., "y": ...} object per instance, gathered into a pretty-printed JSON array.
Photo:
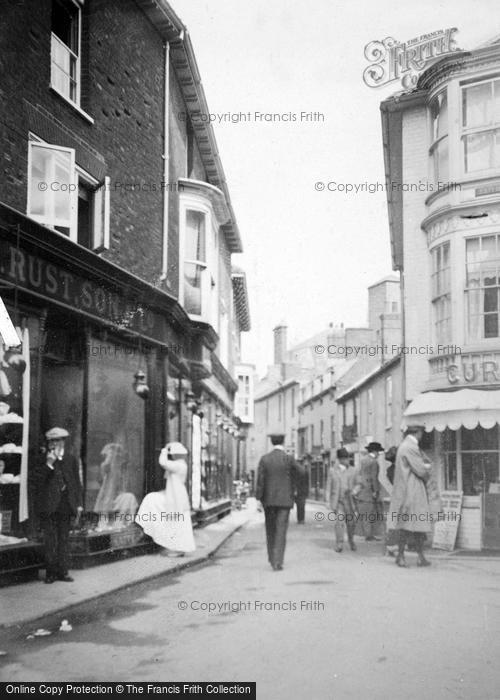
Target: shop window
[
  {"x": 65, "y": 198},
  {"x": 115, "y": 435},
  {"x": 480, "y": 460},
  {"x": 449, "y": 442},
  {"x": 439, "y": 147},
  {"x": 482, "y": 287},
  {"x": 441, "y": 292},
  {"x": 65, "y": 49},
  {"x": 481, "y": 126}
]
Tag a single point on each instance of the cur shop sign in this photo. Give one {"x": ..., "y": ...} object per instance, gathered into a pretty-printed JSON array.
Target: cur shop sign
[
  {"x": 50, "y": 281},
  {"x": 470, "y": 371}
]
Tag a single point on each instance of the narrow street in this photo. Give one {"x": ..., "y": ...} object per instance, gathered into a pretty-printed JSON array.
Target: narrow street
[{"x": 328, "y": 626}]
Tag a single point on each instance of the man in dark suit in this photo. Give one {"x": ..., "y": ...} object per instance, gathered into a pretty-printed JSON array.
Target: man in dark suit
[
  {"x": 58, "y": 498},
  {"x": 302, "y": 493},
  {"x": 276, "y": 489},
  {"x": 367, "y": 489}
]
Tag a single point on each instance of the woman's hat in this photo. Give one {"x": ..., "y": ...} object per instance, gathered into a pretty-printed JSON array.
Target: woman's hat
[
  {"x": 342, "y": 453},
  {"x": 176, "y": 448},
  {"x": 374, "y": 447}
]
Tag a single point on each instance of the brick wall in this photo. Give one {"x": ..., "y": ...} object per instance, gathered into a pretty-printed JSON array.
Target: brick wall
[{"x": 122, "y": 90}]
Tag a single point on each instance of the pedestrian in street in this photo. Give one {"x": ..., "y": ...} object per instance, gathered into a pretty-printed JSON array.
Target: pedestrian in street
[
  {"x": 302, "y": 493},
  {"x": 58, "y": 498},
  {"x": 339, "y": 497},
  {"x": 276, "y": 489},
  {"x": 166, "y": 515},
  {"x": 366, "y": 490},
  {"x": 391, "y": 535},
  {"x": 409, "y": 509}
]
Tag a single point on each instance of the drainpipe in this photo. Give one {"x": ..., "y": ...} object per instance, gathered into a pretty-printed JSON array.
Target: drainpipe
[{"x": 166, "y": 160}]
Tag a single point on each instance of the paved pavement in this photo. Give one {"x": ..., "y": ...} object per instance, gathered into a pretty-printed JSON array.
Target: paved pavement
[
  {"x": 333, "y": 626},
  {"x": 27, "y": 602}
]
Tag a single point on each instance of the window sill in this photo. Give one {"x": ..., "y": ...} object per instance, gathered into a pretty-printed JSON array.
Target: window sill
[{"x": 78, "y": 109}]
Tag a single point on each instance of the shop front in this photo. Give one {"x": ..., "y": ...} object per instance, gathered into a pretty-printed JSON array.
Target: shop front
[
  {"x": 99, "y": 347},
  {"x": 463, "y": 433}
]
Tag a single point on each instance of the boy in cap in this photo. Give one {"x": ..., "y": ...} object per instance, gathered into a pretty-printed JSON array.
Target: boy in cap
[{"x": 58, "y": 498}]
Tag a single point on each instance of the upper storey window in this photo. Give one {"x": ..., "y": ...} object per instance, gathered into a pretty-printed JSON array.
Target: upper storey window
[
  {"x": 481, "y": 126},
  {"x": 439, "y": 147},
  {"x": 65, "y": 49}
]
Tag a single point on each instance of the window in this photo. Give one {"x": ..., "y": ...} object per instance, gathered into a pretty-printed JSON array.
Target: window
[
  {"x": 194, "y": 261},
  {"x": 449, "y": 442},
  {"x": 332, "y": 431},
  {"x": 321, "y": 433},
  {"x": 388, "y": 402},
  {"x": 480, "y": 455},
  {"x": 63, "y": 197},
  {"x": 370, "y": 410},
  {"x": 439, "y": 148},
  {"x": 293, "y": 402},
  {"x": 481, "y": 126},
  {"x": 311, "y": 428},
  {"x": 441, "y": 292},
  {"x": 280, "y": 408},
  {"x": 482, "y": 287},
  {"x": 65, "y": 49}
]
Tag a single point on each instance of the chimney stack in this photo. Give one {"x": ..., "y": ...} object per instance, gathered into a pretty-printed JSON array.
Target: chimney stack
[{"x": 280, "y": 344}]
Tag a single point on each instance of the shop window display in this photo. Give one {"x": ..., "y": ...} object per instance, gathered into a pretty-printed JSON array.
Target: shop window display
[{"x": 115, "y": 436}]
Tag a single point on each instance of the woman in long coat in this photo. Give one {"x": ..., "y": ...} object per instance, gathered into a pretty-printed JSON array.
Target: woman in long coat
[
  {"x": 166, "y": 515},
  {"x": 409, "y": 510}
]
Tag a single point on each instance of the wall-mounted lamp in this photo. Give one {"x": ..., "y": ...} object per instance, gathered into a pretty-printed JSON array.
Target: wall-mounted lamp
[{"x": 140, "y": 386}]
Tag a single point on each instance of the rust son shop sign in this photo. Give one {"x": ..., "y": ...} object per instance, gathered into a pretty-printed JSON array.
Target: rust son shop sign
[
  {"x": 392, "y": 60},
  {"x": 50, "y": 281}
]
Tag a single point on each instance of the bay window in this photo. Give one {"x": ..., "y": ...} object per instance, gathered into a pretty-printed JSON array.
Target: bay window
[
  {"x": 65, "y": 49},
  {"x": 439, "y": 147},
  {"x": 195, "y": 261},
  {"x": 441, "y": 292},
  {"x": 482, "y": 287},
  {"x": 481, "y": 126}
]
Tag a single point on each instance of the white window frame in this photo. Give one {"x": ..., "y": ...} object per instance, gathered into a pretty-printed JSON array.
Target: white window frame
[
  {"x": 441, "y": 294},
  {"x": 101, "y": 203},
  {"x": 389, "y": 397},
  {"x": 209, "y": 285},
  {"x": 77, "y": 57},
  {"x": 465, "y": 131},
  {"x": 438, "y": 141},
  {"x": 50, "y": 220}
]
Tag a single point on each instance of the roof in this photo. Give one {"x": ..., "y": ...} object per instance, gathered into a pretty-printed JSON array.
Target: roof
[
  {"x": 387, "y": 278},
  {"x": 276, "y": 388},
  {"x": 367, "y": 378},
  {"x": 184, "y": 63},
  {"x": 239, "y": 281}
]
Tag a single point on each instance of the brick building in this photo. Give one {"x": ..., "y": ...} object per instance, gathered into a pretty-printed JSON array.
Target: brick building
[
  {"x": 443, "y": 176},
  {"x": 116, "y": 236}
]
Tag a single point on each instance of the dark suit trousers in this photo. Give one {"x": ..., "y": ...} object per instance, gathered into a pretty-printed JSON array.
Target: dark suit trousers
[
  {"x": 276, "y": 527},
  {"x": 56, "y": 527},
  {"x": 301, "y": 509}
]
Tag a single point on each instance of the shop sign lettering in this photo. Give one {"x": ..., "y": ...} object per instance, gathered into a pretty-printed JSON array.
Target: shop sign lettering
[
  {"x": 51, "y": 281},
  {"x": 486, "y": 372}
]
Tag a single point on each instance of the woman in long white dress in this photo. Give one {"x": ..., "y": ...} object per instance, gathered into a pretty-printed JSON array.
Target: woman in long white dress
[{"x": 166, "y": 515}]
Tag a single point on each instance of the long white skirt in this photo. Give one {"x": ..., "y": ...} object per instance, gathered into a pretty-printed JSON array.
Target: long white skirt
[{"x": 166, "y": 517}]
